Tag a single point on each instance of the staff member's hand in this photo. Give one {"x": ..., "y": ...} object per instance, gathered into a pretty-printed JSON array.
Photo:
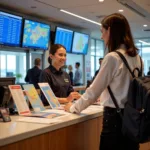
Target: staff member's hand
[
  {"x": 67, "y": 107},
  {"x": 72, "y": 96}
]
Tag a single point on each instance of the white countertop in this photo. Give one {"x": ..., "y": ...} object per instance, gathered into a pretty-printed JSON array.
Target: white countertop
[{"x": 14, "y": 131}]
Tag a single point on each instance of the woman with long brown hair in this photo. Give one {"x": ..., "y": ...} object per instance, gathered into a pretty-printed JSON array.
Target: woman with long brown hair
[{"x": 117, "y": 36}]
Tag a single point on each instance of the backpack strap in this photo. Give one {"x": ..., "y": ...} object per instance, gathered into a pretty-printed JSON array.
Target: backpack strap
[
  {"x": 126, "y": 63},
  {"x": 132, "y": 73},
  {"x": 114, "y": 101},
  {"x": 141, "y": 67}
]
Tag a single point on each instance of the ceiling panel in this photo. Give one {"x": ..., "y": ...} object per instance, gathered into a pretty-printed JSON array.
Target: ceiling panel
[
  {"x": 92, "y": 9},
  {"x": 70, "y": 4},
  {"x": 144, "y": 4}
]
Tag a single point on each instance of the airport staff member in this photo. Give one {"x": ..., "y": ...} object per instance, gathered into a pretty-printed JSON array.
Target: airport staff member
[
  {"x": 58, "y": 79},
  {"x": 100, "y": 62},
  {"x": 33, "y": 74},
  {"x": 78, "y": 75}
]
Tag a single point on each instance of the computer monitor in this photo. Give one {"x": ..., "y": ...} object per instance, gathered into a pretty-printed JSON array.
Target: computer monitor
[
  {"x": 5, "y": 81},
  {"x": 80, "y": 43},
  {"x": 5, "y": 95},
  {"x": 9, "y": 74},
  {"x": 36, "y": 35},
  {"x": 64, "y": 37},
  {"x": 10, "y": 29}
]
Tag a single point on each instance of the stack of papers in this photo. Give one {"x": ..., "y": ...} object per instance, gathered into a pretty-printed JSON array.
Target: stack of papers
[{"x": 39, "y": 120}]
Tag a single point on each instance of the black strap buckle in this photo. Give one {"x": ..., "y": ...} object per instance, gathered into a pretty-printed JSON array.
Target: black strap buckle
[{"x": 118, "y": 110}]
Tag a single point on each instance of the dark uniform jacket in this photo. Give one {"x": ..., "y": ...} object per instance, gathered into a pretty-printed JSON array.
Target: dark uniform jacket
[
  {"x": 59, "y": 81},
  {"x": 33, "y": 76}
]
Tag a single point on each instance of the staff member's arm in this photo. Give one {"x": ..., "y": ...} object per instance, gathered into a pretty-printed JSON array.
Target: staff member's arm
[{"x": 70, "y": 98}]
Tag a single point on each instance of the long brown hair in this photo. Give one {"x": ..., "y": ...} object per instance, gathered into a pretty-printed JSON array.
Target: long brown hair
[{"x": 120, "y": 33}]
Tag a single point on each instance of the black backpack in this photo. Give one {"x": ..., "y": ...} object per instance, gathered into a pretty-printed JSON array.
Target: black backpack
[{"x": 136, "y": 116}]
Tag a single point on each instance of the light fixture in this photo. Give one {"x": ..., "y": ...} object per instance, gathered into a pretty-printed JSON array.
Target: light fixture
[
  {"x": 67, "y": 12},
  {"x": 120, "y": 10},
  {"x": 144, "y": 42},
  {"x": 145, "y": 25},
  {"x": 101, "y": 0}
]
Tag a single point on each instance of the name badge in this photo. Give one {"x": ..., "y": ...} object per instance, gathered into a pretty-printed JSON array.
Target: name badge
[{"x": 66, "y": 80}]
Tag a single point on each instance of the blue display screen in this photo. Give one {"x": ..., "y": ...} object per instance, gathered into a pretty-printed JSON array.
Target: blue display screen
[
  {"x": 80, "y": 43},
  {"x": 36, "y": 35},
  {"x": 64, "y": 37},
  {"x": 10, "y": 29}
]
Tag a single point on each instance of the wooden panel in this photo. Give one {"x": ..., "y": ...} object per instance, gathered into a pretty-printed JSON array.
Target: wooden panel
[
  {"x": 82, "y": 136},
  {"x": 58, "y": 140},
  {"x": 145, "y": 146},
  {"x": 38, "y": 142},
  {"x": 89, "y": 136}
]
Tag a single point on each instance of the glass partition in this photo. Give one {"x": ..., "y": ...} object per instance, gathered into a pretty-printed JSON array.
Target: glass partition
[
  {"x": 144, "y": 50},
  {"x": 13, "y": 64},
  {"x": 97, "y": 51}
]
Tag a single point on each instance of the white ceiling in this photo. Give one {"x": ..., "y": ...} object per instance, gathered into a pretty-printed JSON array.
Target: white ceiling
[{"x": 49, "y": 10}]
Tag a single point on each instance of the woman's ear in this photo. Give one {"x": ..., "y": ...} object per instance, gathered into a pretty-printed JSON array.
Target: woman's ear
[{"x": 51, "y": 56}]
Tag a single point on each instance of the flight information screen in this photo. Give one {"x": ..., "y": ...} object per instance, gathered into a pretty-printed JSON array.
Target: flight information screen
[
  {"x": 64, "y": 37},
  {"x": 36, "y": 35},
  {"x": 10, "y": 29},
  {"x": 80, "y": 43}
]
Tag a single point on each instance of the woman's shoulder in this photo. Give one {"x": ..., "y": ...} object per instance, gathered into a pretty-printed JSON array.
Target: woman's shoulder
[
  {"x": 46, "y": 70},
  {"x": 65, "y": 73},
  {"x": 113, "y": 56}
]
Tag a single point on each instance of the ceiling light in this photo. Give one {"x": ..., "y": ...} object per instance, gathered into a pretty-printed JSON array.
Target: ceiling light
[
  {"x": 143, "y": 42},
  {"x": 145, "y": 25},
  {"x": 101, "y": 0},
  {"x": 67, "y": 12},
  {"x": 120, "y": 10}
]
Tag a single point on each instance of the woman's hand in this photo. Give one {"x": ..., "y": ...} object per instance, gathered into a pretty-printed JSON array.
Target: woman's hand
[
  {"x": 67, "y": 107},
  {"x": 97, "y": 102},
  {"x": 72, "y": 96}
]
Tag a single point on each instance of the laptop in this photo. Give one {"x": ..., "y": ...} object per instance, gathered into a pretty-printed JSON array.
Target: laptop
[{"x": 50, "y": 96}]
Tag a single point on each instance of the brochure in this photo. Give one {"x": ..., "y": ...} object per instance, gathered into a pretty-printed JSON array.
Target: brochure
[
  {"x": 22, "y": 107},
  {"x": 33, "y": 97},
  {"x": 48, "y": 93},
  {"x": 18, "y": 97},
  {"x": 38, "y": 120},
  {"x": 48, "y": 115}
]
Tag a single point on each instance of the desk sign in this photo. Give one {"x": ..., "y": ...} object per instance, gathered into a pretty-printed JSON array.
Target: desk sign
[{"x": 18, "y": 97}]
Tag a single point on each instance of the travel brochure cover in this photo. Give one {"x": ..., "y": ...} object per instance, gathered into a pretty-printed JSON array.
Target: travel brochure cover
[
  {"x": 22, "y": 106},
  {"x": 48, "y": 93},
  {"x": 33, "y": 97}
]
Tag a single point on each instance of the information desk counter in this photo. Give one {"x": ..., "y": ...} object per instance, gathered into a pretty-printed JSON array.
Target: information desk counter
[
  {"x": 80, "y": 89},
  {"x": 74, "y": 132}
]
